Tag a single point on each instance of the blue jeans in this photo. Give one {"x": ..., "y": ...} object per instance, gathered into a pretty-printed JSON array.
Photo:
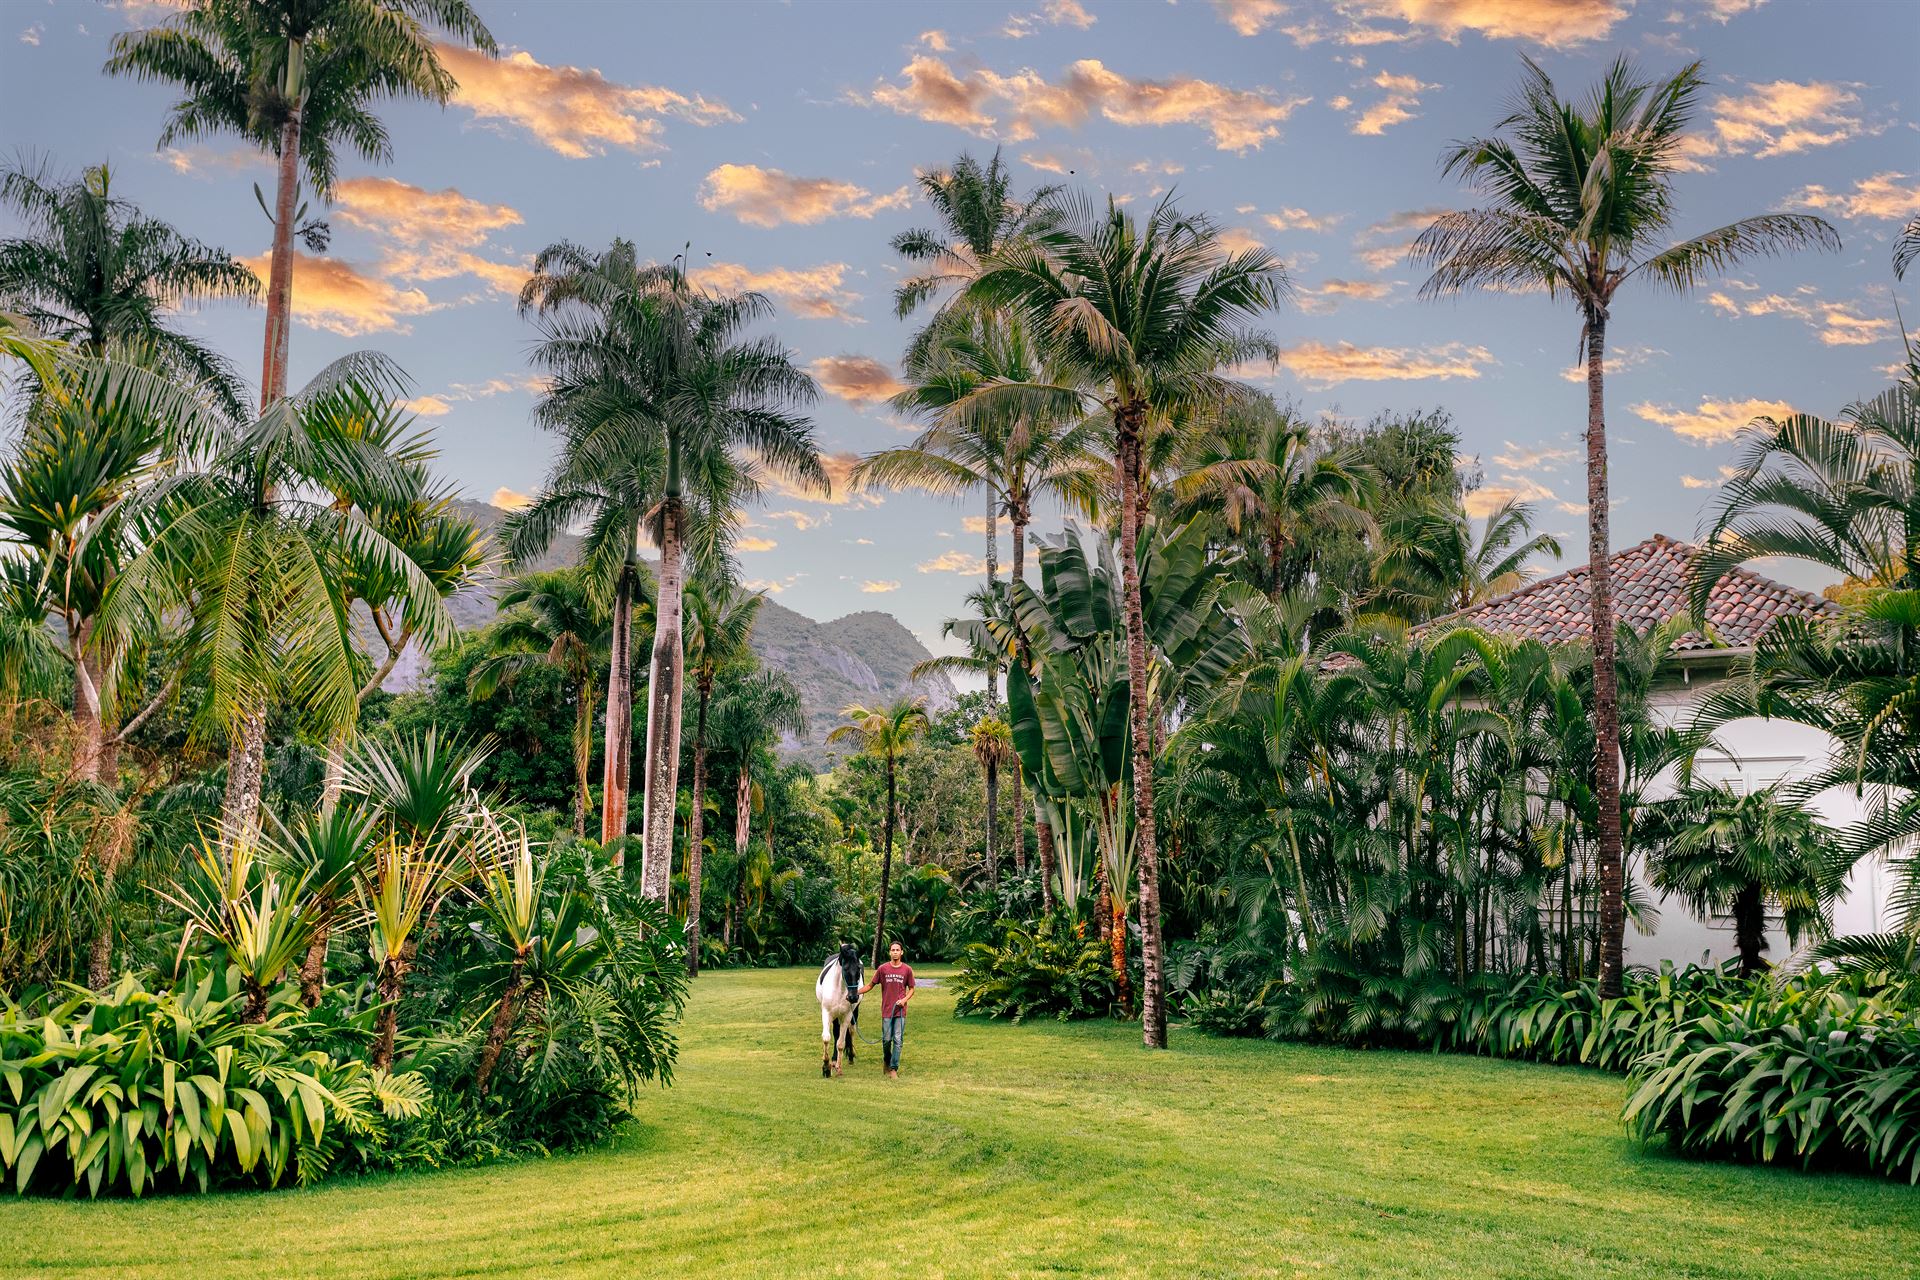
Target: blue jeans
[{"x": 892, "y": 1034}]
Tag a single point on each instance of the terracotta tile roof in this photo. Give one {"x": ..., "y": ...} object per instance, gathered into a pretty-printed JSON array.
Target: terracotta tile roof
[{"x": 1649, "y": 587}]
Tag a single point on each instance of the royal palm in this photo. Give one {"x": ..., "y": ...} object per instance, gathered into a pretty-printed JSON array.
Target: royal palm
[
  {"x": 884, "y": 733},
  {"x": 1582, "y": 201},
  {"x": 719, "y": 631}
]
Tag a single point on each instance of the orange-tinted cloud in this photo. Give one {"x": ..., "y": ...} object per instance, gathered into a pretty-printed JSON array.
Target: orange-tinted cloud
[
  {"x": 1402, "y": 95},
  {"x": 510, "y": 499},
  {"x": 879, "y": 587},
  {"x": 1385, "y": 243},
  {"x": 1554, "y": 23},
  {"x": 1713, "y": 421},
  {"x": 859, "y": 380},
  {"x": 434, "y": 233},
  {"x": 332, "y": 294},
  {"x": 769, "y": 197},
  {"x": 1054, "y": 13},
  {"x": 1785, "y": 116},
  {"x": 427, "y": 406},
  {"x": 1249, "y": 17},
  {"x": 1017, "y": 105},
  {"x": 1837, "y": 323},
  {"x": 838, "y": 466},
  {"x": 814, "y": 292},
  {"x": 754, "y": 544},
  {"x": 1301, "y": 220},
  {"x": 1884, "y": 195},
  {"x": 956, "y": 561},
  {"x": 1318, "y": 364},
  {"x": 1490, "y": 497},
  {"x": 1329, "y": 295},
  {"x": 575, "y": 111}
]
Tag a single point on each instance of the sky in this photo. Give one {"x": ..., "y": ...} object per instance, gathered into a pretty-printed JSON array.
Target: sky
[{"x": 781, "y": 143}]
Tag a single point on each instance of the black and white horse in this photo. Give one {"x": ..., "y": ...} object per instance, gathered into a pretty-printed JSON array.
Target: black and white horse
[{"x": 839, "y": 993}]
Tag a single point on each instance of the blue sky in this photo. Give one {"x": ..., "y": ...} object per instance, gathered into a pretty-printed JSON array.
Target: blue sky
[{"x": 782, "y": 139}]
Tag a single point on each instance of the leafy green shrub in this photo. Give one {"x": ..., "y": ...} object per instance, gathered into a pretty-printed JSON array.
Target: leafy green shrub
[
  {"x": 1816, "y": 1074},
  {"x": 1048, "y": 970},
  {"x": 133, "y": 1090}
]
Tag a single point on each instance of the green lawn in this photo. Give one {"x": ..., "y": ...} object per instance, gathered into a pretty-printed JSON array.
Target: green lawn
[{"x": 1037, "y": 1150}]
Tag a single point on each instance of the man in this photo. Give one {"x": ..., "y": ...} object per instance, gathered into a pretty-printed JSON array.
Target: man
[{"x": 895, "y": 980}]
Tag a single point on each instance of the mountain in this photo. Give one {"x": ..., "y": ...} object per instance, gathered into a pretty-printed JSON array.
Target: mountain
[{"x": 864, "y": 657}]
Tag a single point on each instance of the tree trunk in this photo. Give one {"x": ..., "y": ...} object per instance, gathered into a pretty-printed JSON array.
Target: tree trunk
[
  {"x": 1606, "y": 694},
  {"x": 393, "y": 976},
  {"x": 886, "y": 870},
  {"x": 1018, "y": 510},
  {"x": 613, "y": 810},
  {"x": 1043, "y": 838},
  {"x": 1117, "y": 940},
  {"x": 246, "y": 767},
  {"x": 1750, "y": 928},
  {"x": 583, "y": 756},
  {"x": 256, "y": 1007},
  {"x": 662, "y": 777},
  {"x": 335, "y": 778},
  {"x": 696, "y": 833},
  {"x": 502, "y": 1026},
  {"x": 1153, "y": 1005},
  {"x": 993, "y": 574},
  {"x": 993, "y": 824},
  {"x": 313, "y": 969},
  {"x": 273, "y": 367}
]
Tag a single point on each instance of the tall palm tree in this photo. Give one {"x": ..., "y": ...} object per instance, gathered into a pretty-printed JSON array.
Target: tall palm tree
[
  {"x": 884, "y": 733},
  {"x": 249, "y": 548},
  {"x": 978, "y": 214},
  {"x": 1145, "y": 313},
  {"x": 643, "y": 361},
  {"x": 92, "y": 271},
  {"x": 1582, "y": 192},
  {"x": 296, "y": 78},
  {"x": 748, "y": 716},
  {"x": 1433, "y": 562},
  {"x": 719, "y": 632},
  {"x": 552, "y": 619},
  {"x": 992, "y": 744}
]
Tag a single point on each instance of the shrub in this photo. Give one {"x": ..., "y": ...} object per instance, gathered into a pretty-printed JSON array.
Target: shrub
[
  {"x": 138, "y": 1089},
  {"x": 1048, "y": 970}
]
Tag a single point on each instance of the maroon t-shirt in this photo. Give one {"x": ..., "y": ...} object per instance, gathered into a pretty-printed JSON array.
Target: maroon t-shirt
[{"x": 895, "y": 981}]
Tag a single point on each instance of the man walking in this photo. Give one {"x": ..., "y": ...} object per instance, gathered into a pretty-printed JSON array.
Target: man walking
[{"x": 895, "y": 980}]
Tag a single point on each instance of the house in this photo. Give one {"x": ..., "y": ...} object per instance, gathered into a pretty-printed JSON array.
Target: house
[{"x": 1649, "y": 588}]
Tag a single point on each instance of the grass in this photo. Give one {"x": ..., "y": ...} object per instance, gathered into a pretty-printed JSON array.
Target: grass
[{"x": 1032, "y": 1151}]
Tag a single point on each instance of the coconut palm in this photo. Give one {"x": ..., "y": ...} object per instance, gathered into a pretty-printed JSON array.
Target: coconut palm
[
  {"x": 1582, "y": 195},
  {"x": 93, "y": 272},
  {"x": 1144, "y": 314},
  {"x": 1433, "y": 562},
  {"x": 1906, "y": 249},
  {"x": 719, "y": 631},
  {"x": 551, "y": 619},
  {"x": 296, "y": 78},
  {"x": 884, "y": 733},
  {"x": 250, "y": 550},
  {"x": 978, "y": 214},
  {"x": 643, "y": 362}
]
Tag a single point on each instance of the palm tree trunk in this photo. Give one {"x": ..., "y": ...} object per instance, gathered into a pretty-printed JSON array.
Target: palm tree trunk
[
  {"x": 1606, "y": 694},
  {"x": 393, "y": 975},
  {"x": 1117, "y": 942},
  {"x": 502, "y": 1025},
  {"x": 662, "y": 778},
  {"x": 246, "y": 768},
  {"x": 613, "y": 810},
  {"x": 313, "y": 969},
  {"x": 886, "y": 868},
  {"x": 273, "y": 370},
  {"x": 993, "y": 824},
  {"x": 1018, "y": 516},
  {"x": 583, "y": 756},
  {"x": 993, "y": 574},
  {"x": 696, "y": 832},
  {"x": 1750, "y": 928},
  {"x": 1153, "y": 1002},
  {"x": 1043, "y": 840}
]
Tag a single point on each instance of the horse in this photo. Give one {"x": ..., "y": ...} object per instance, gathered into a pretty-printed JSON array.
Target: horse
[{"x": 838, "y": 991}]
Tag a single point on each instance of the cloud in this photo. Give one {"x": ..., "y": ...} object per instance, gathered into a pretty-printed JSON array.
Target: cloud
[
  {"x": 1531, "y": 457},
  {"x": 1713, "y": 421},
  {"x": 435, "y": 231},
  {"x": 427, "y": 406},
  {"x": 814, "y": 292},
  {"x": 1018, "y": 105},
  {"x": 1385, "y": 243},
  {"x": 532, "y": 383},
  {"x": 1618, "y": 359},
  {"x": 1328, "y": 296},
  {"x": 1402, "y": 96},
  {"x": 1837, "y": 323},
  {"x": 1318, "y": 364},
  {"x": 1490, "y": 497},
  {"x": 800, "y": 520},
  {"x": 199, "y": 161},
  {"x": 772, "y": 586},
  {"x": 1881, "y": 196},
  {"x": 32, "y": 34},
  {"x": 859, "y": 380},
  {"x": 1249, "y": 17},
  {"x": 1554, "y": 23},
  {"x": 977, "y": 525},
  {"x": 1695, "y": 482},
  {"x": 575, "y": 111},
  {"x": 510, "y": 499},
  {"x": 935, "y": 40},
  {"x": 838, "y": 467},
  {"x": 1300, "y": 220},
  {"x": 879, "y": 586},
  {"x": 955, "y": 561},
  {"x": 332, "y": 294},
  {"x": 1785, "y": 116},
  {"x": 1054, "y": 13},
  {"x": 1239, "y": 240},
  {"x": 768, "y": 197},
  {"x": 754, "y": 544}
]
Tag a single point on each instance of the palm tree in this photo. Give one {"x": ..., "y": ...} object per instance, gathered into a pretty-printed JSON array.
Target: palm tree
[
  {"x": 1145, "y": 314},
  {"x": 555, "y": 620},
  {"x": 251, "y": 550},
  {"x": 1723, "y": 853},
  {"x": 992, "y": 743},
  {"x": 1581, "y": 192},
  {"x": 978, "y": 215},
  {"x": 296, "y": 78},
  {"x": 884, "y": 733},
  {"x": 719, "y": 631},
  {"x": 93, "y": 272},
  {"x": 748, "y": 716},
  {"x": 1906, "y": 249},
  {"x": 643, "y": 361},
  {"x": 1433, "y": 563}
]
